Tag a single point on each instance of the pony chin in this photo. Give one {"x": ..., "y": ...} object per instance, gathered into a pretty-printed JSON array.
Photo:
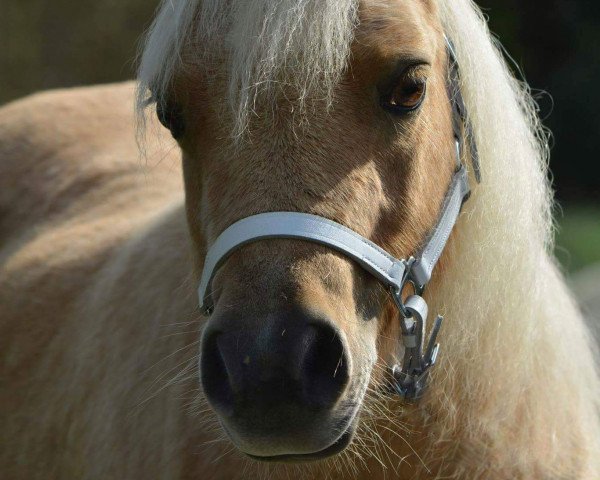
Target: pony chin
[{"x": 280, "y": 453}]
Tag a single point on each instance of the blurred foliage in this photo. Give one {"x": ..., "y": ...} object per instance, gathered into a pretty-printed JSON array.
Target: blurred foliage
[
  {"x": 578, "y": 237},
  {"x": 554, "y": 42}
]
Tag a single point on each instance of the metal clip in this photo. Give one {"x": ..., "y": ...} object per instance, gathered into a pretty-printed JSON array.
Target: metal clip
[{"x": 410, "y": 380}]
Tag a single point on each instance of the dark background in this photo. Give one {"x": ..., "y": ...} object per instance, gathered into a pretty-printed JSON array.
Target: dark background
[{"x": 555, "y": 43}]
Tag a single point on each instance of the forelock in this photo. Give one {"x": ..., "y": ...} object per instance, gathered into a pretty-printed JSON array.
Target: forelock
[{"x": 297, "y": 46}]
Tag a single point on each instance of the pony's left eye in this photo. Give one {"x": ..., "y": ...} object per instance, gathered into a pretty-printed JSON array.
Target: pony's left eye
[
  {"x": 406, "y": 95},
  {"x": 170, "y": 116}
]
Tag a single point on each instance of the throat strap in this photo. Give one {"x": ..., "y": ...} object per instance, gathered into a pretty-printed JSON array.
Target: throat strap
[{"x": 388, "y": 270}]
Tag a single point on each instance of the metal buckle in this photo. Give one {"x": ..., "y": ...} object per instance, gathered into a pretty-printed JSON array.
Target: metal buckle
[{"x": 409, "y": 381}]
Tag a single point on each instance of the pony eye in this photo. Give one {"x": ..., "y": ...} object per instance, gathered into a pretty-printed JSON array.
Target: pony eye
[
  {"x": 171, "y": 116},
  {"x": 406, "y": 96}
]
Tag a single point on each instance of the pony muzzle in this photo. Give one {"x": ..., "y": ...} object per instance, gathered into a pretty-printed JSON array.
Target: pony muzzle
[{"x": 279, "y": 382}]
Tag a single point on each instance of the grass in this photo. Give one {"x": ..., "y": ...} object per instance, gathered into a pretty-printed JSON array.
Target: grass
[{"x": 578, "y": 236}]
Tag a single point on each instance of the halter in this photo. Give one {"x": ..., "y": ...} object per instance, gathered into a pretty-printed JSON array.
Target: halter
[{"x": 410, "y": 378}]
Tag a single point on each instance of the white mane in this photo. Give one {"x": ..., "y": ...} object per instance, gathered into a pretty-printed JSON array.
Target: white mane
[{"x": 502, "y": 293}]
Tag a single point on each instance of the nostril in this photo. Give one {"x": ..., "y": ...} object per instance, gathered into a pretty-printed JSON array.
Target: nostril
[
  {"x": 325, "y": 367},
  {"x": 306, "y": 367},
  {"x": 214, "y": 376}
]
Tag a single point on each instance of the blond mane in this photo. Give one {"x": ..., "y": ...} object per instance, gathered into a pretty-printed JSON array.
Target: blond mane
[{"x": 502, "y": 291}]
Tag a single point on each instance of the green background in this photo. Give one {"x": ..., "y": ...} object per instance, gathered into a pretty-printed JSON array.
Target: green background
[{"x": 554, "y": 43}]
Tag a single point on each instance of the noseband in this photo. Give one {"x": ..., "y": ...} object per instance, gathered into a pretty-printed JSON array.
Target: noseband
[{"x": 409, "y": 379}]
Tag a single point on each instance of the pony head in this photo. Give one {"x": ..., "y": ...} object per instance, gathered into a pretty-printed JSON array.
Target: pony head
[{"x": 337, "y": 109}]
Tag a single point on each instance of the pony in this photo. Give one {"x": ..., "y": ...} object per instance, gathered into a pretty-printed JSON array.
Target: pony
[{"x": 338, "y": 109}]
